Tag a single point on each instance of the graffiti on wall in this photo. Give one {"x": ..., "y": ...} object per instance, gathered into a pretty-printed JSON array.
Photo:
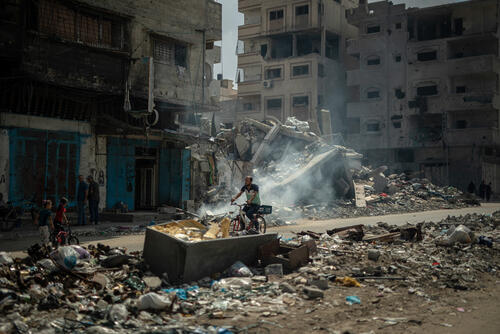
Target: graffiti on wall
[{"x": 98, "y": 176}]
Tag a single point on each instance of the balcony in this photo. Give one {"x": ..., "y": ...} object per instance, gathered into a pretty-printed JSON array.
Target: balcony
[
  {"x": 469, "y": 136},
  {"x": 249, "y": 87},
  {"x": 249, "y": 58},
  {"x": 469, "y": 101},
  {"x": 248, "y": 31},
  {"x": 248, "y": 4},
  {"x": 471, "y": 65}
]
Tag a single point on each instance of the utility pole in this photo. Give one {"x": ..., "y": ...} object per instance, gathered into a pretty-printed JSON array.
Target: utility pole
[{"x": 204, "y": 46}]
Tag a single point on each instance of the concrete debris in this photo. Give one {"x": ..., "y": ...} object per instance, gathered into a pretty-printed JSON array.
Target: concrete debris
[{"x": 128, "y": 295}]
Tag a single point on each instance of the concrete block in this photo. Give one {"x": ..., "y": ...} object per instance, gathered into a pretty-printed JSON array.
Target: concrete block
[{"x": 191, "y": 261}]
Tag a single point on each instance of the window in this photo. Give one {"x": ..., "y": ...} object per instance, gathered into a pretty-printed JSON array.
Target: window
[
  {"x": 373, "y": 94},
  {"x": 263, "y": 50},
  {"x": 460, "y": 89},
  {"x": 461, "y": 124},
  {"x": 405, "y": 155},
  {"x": 397, "y": 125},
  {"x": 373, "y": 60},
  {"x": 426, "y": 56},
  {"x": 274, "y": 104},
  {"x": 372, "y": 29},
  {"x": 170, "y": 52},
  {"x": 302, "y": 10},
  {"x": 92, "y": 29},
  {"x": 399, "y": 93},
  {"x": 459, "y": 26},
  {"x": 321, "y": 70},
  {"x": 300, "y": 101},
  {"x": 427, "y": 90},
  {"x": 276, "y": 15},
  {"x": 398, "y": 25},
  {"x": 247, "y": 106},
  {"x": 300, "y": 70},
  {"x": 397, "y": 58},
  {"x": 273, "y": 73},
  {"x": 373, "y": 127}
]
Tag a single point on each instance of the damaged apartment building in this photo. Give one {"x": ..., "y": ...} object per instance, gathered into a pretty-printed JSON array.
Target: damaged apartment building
[
  {"x": 290, "y": 61},
  {"x": 104, "y": 88},
  {"x": 423, "y": 90}
]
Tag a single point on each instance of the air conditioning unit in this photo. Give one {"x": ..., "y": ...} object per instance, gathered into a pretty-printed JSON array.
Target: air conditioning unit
[{"x": 267, "y": 84}]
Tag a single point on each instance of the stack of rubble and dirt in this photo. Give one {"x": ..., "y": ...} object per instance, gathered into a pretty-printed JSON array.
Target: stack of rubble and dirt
[
  {"x": 305, "y": 176},
  {"x": 382, "y": 274}
]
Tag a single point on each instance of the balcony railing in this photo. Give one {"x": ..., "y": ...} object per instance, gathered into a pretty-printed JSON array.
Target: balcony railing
[
  {"x": 249, "y": 58},
  {"x": 248, "y": 31},
  {"x": 471, "y": 65},
  {"x": 248, "y": 4}
]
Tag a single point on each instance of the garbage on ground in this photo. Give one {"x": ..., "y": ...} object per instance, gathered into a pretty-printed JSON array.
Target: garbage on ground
[{"x": 294, "y": 276}]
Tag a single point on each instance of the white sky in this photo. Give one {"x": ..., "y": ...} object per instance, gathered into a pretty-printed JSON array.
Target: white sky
[{"x": 231, "y": 19}]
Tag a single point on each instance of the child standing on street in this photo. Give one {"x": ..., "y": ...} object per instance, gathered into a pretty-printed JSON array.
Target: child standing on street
[
  {"x": 60, "y": 217},
  {"x": 44, "y": 221}
]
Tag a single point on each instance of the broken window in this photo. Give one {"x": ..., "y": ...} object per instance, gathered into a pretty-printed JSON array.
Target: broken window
[
  {"x": 398, "y": 25},
  {"x": 461, "y": 124},
  {"x": 247, "y": 106},
  {"x": 307, "y": 44},
  {"x": 353, "y": 125},
  {"x": 263, "y": 50},
  {"x": 276, "y": 14},
  {"x": 397, "y": 124},
  {"x": 373, "y": 29},
  {"x": 405, "y": 155},
  {"x": 460, "y": 89},
  {"x": 427, "y": 90},
  {"x": 170, "y": 52},
  {"x": 273, "y": 73},
  {"x": 281, "y": 47},
  {"x": 426, "y": 56},
  {"x": 399, "y": 93},
  {"x": 332, "y": 46},
  {"x": 71, "y": 24},
  {"x": 397, "y": 58},
  {"x": 372, "y": 127},
  {"x": 302, "y": 10},
  {"x": 373, "y": 94},
  {"x": 274, "y": 104},
  {"x": 300, "y": 70},
  {"x": 300, "y": 101},
  {"x": 373, "y": 60}
]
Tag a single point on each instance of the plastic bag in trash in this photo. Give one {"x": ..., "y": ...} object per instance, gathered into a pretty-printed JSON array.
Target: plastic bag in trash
[
  {"x": 82, "y": 252},
  {"x": 47, "y": 264},
  {"x": 66, "y": 256},
  {"x": 239, "y": 269},
  {"x": 233, "y": 283},
  {"x": 153, "y": 301},
  {"x": 183, "y": 293},
  {"x": 460, "y": 234},
  {"x": 118, "y": 313}
]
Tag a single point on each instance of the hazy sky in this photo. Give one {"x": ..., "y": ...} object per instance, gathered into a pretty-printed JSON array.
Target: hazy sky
[{"x": 231, "y": 19}]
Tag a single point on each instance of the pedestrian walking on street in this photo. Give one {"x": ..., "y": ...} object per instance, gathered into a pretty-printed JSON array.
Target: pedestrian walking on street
[
  {"x": 44, "y": 222},
  {"x": 81, "y": 197},
  {"x": 93, "y": 200},
  {"x": 482, "y": 190},
  {"x": 488, "y": 192}
]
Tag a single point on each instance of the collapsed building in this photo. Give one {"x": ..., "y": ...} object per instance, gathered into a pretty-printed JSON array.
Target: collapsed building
[{"x": 110, "y": 89}]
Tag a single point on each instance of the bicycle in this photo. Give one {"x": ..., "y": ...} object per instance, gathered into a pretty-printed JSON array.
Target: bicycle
[
  {"x": 63, "y": 236},
  {"x": 241, "y": 223}
]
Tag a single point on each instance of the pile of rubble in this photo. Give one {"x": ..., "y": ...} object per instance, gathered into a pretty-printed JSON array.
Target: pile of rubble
[
  {"x": 305, "y": 176},
  {"x": 105, "y": 290}
]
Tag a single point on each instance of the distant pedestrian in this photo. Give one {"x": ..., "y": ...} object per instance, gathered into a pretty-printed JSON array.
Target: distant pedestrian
[
  {"x": 482, "y": 190},
  {"x": 60, "y": 217},
  {"x": 93, "y": 200},
  {"x": 44, "y": 222},
  {"x": 82, "y": 193},
  {"x": 471, "y": 188},
  {"x": 488, "y": 192}
]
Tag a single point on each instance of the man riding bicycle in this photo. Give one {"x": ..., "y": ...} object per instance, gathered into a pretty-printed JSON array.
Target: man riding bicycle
[{"x": 253, "y": 201}]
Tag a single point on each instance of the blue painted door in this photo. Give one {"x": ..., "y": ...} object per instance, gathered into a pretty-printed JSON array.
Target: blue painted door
[
  {"x": 120, "y": 172},
  {"x": 43, "y": 164},
  {"x": 175, "y": 176}
]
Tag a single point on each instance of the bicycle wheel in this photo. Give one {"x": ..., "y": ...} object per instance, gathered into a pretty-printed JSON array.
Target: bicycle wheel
[
  {"x": 262, "y": 224},
  {"x": 73, "y": 240}
]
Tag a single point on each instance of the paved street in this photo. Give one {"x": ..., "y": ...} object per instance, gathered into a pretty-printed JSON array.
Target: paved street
[{"x": 135, "y": 242}]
